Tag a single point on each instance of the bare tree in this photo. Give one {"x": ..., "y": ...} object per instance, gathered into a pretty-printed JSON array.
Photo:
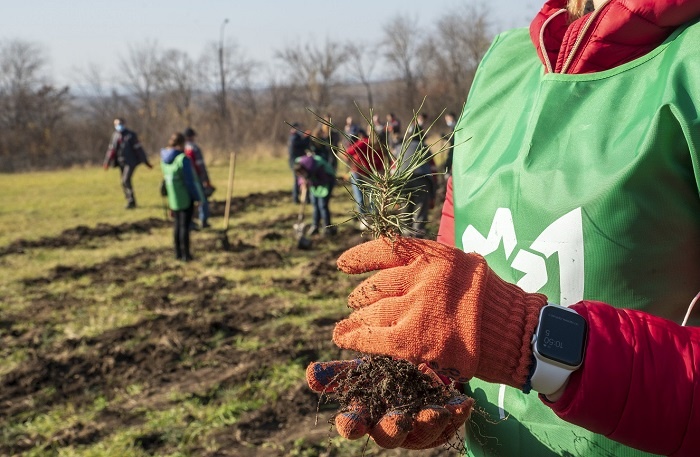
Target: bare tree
[
  {"x": 315, "y": 69},
  {"x": 178, "y": 81},
  {"x": 401, "y": 45},
  {"x": 102, "y": 101},
  {"x": 238, "y": 70},
  {"x": 96, "y": 104},
  {"x": 160, "y": 90},
  {"x": 142, "y": 75},
  {"x": 32, "y": 109},
  {"x": 461, "y": 39},
  {"x": 141, "y": 70},
  {"x": 21, "y": 67},
  {"x": 278, "y": 104},
  {"x": 362, "y": 59}
]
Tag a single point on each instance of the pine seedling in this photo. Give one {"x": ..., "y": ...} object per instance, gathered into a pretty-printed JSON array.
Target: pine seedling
[
  {"x": 384, "y": 186},
  {"x": 381, "y": 384}
]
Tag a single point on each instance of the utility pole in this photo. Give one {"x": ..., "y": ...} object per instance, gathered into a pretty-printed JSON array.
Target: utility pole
[{"x": 224, "y": 112}]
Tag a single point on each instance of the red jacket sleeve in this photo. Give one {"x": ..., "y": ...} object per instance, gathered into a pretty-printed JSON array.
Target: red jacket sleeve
[
  {"x": 446, "y": 232},
  {"x": 639, "y": 383}
]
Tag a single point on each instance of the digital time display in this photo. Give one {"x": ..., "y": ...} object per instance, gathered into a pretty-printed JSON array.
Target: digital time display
[{"x": 561, "y": 335}]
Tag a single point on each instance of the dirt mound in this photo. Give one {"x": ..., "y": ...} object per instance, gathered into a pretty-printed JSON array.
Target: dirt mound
[
  {"x": 268, "y": 258},
  {"x": 116, "y": 270},
  {"x": 251, "y": 201},
  {"x": 295, "y": 407},
  {"x": 83, "y": 234}
]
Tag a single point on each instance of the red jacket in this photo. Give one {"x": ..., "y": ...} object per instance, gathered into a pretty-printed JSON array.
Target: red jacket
[
  {"x": 193, "y": 153},
  {"x": 617, "y": 32},
  {"x": 639, "y": 383},
  {"x": 363, "y": 157},
  {"x": 640, "y": 380}
]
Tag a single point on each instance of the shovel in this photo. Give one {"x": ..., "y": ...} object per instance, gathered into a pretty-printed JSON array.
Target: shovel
[
  {"x": 300, "y": 227},
  {"x": 164, "y": 199},
  {"x": 227, "y": 212}
]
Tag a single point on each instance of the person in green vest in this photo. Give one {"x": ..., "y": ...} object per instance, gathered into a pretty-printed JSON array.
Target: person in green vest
[
  {"x": 318, "y": 177},
  {"x": 183, "y": 189},
  {"x": 567, "y": 261}
]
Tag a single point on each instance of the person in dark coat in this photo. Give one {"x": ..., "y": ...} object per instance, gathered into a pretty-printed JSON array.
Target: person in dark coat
[{"x": 125, "y": 151}]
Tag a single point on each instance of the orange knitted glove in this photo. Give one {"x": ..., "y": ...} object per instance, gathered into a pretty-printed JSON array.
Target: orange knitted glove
[
  {"x": 433, "y": 303},
  {"x": 431, "y": 427}
]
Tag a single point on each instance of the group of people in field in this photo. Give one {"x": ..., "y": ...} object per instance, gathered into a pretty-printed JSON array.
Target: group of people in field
[
  {"x": 186, "y": 182},
  {"x": 382, "y": 145},
  {"x": 313, "y": 157}
]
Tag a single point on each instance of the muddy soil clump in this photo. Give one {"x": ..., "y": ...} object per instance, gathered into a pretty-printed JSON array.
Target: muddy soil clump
[{"x": 381, "y": 384}]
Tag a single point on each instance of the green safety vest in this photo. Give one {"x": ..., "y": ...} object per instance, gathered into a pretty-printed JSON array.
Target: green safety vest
[
  {"x": 579, "y": 187},
  {"x": 178, "y": 196}
]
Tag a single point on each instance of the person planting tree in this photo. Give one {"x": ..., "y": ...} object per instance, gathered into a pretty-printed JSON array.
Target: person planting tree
[
  {"x": 125, "y": 151},
  {"x": 318, "y": 177},
  {"x": 579, "y": 187}
]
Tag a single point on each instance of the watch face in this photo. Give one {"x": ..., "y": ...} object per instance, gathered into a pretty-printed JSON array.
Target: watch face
[{"x": 561, "y": 335}]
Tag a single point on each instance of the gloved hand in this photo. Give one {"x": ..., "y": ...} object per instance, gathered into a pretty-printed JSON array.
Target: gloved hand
[
  {"x": 433, "y": 303},
  {"x": 431, "y": 427}
]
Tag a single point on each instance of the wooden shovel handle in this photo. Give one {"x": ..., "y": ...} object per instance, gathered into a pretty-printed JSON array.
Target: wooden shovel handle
[{"x": 231, "y": 169}]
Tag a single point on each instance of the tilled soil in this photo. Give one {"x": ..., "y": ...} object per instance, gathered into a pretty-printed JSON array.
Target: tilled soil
[{"x": 178, "y": 346}]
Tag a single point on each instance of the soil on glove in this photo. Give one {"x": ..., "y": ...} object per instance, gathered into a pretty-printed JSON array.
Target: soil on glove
[{"x": 382, "y": 384}]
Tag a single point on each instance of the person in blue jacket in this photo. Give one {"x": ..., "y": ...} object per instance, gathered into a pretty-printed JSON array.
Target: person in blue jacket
[{"x": 183, "y": 188}]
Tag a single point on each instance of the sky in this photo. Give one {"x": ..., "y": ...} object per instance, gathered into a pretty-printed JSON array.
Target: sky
[{"x": 77, "y": 34}]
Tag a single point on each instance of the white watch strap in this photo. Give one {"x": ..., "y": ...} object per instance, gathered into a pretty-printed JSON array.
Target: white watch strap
[{"x": 548, "y": 378}]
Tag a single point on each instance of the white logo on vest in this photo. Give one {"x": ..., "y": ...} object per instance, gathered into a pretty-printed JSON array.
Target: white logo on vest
[{"x": 563, "y": 237}]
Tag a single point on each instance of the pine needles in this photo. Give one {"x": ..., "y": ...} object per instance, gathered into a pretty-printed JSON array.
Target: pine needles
[{"x": 385, "y": 186}]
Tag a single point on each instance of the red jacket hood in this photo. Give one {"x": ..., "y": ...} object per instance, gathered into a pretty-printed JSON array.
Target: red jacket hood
[{"x": 617, "y": 32}]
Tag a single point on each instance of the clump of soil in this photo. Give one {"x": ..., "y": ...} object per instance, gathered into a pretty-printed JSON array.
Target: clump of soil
[
  {"x": 382, "y": 384},
  {"x": 82, "y": 235}
]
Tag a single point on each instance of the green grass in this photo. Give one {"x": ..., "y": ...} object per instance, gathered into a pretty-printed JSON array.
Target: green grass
[
  {"x": 45, "y": 203},
  {"x": 56, "y": 312},
  {"x": 67, "y": 311}
]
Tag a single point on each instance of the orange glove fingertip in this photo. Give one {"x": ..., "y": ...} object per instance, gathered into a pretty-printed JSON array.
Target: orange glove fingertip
[
  {"x": 352, "y": 424},
  {"x": 428, "y": 425},
  {"x": 323, "y": 377},
  {"x": 391, "y": 430},
  {"x": 369, "y": 256}
]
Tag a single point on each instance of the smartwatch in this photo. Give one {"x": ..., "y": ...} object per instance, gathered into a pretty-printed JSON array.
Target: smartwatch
[{"x": 558, "y": 346}]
